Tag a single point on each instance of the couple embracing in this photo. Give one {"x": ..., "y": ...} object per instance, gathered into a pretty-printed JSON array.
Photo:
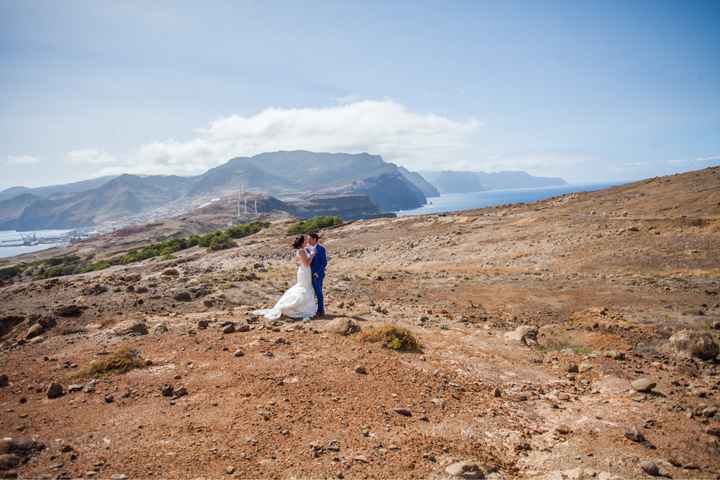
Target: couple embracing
[{"x": 305, "y": 298}]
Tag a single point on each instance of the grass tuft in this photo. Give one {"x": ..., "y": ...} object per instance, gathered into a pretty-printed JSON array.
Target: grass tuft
[
  {"x": 392, "y": 337},
  {"x": 121, "y": 361}
]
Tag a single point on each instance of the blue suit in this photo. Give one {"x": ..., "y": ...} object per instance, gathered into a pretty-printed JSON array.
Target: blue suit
[{"x": 317, "y": 267}]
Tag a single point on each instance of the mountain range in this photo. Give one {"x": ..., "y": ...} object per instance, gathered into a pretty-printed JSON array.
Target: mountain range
[
  {"x": 286, "y": 174},
  {"x": 453, "y": 181}
]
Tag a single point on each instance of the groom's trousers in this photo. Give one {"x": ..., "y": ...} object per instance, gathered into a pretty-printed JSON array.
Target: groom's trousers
[{"x": 317, "y": 283}]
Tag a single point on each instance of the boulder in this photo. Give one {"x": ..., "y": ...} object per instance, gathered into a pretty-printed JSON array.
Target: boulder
[
  {"x": 34, "y": 331},
  {"x": 695, "y": 344},
  {"x": 183, "y": 296},
  {"x": 526, "y": 334},
  {"x": 55, "y": 390},
  {"x": 466, "y": 470},
  {"x": 643, "y": 385},
  {"x": 71, "y": 310},
  {"x": 342, "y": 326},
  {"x": 131, "y": 327}
]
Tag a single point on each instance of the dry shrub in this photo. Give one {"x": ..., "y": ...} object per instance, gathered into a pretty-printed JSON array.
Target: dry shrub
[
  {"x": 392, "y": 337},
  {"x": 121, "y": 361}
]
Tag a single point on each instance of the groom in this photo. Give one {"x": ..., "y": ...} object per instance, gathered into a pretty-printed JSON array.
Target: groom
[{"x": 317, "y": 267}]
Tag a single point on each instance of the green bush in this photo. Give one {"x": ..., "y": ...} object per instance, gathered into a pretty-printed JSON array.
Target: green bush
[
  {"x": 9, "y": 272},
  {"x": 313, "y": 224}
]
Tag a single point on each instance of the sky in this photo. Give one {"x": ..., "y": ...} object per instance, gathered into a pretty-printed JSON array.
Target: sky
[{"x": 591, "y": 91}]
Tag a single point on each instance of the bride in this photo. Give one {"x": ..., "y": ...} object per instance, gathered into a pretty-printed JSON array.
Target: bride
[{"x": 298, "y": 301}]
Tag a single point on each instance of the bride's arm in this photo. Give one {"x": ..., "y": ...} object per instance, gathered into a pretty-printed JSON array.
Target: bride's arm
[{"x": 304, "y": 258}]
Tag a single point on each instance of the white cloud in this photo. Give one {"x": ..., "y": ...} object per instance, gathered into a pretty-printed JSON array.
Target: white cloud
[
  {"x": 90, "y": 156},
  {"x": 382, "y": 127},
  {"x": 711, "y": 158},
  {"x": 21, "y": 160}
]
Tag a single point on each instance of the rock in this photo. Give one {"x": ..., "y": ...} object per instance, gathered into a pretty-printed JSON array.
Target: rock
[
  {"x": 167, "y": 390},
  {"x": 75, "y": 388},
  {"x": 4, "y": 382},
  {"x": 109, "y": 398},
  {"x": 238, "y": 353},
  {"x": 34, "y": 331},
  {"x": 119, "y": 476},
  {"x": 181, "y": 392},
  {"x": 183, "y": 296},
  {"x": 230, "y": 470},
  {"x": 643, "y": 385},
  {"x": 563, "y": 429},
  {"x": 635, "y": 435},
  {"x": 573, "y": 368},
  {"x": 615, "y": 355},
  {"x": 650, "y": 468},
  {"x": 361, "y": 370},
  {"x": 96, "y": 289},
  {"x": 71, "y": 310},
  {"x": 243, "y": 327},
  {"x": 341, "y": 326},
  {"x": 131, "y": 327},
  {"x": 170, "y": 272},
  {"x": 526, "y": 334},
  {"x": 716, "y": 325},
  {"x": 9, "y": 461},
  {"x": 405, "y": 412},
  {"x": 695, "y": 344},
  {"x": 228, "y": 328},
  {"x": 465, "y": 469},
  {"x": 161, "y": 328},
  {"x": 202, "y": 324},
  {"x": 141, "y": 289},
  {"x": 55, "y": 390},
  {"x": 89, "y": 387},
  {"x": 714, "y": 431},
  {"x": 585, "y": 367}
]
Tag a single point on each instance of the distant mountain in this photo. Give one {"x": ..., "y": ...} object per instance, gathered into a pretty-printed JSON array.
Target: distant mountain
[
  {"x": 51, "y": 190},
  {"x": 283, "y": 174},
  {"x": 451, "y": 181},
  {"x": 420, "y": 182}
]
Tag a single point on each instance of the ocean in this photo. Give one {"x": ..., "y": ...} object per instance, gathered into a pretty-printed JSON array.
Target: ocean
[
  {"x": 13, "y": 237},
  {"x": 453, "y": 202}
]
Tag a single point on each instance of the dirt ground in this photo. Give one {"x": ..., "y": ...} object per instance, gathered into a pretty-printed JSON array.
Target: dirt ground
[{"x": 606, "y": 278}]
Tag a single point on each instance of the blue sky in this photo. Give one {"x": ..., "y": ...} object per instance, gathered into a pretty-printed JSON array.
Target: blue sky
[{"x": 591, "y": 91}]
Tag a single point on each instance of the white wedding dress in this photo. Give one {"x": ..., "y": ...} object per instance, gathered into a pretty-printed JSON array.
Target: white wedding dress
[{"x": 298, "y": 301}]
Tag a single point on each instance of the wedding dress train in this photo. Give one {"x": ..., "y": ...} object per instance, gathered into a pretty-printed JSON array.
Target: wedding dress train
[{"x": 297, "y": 302}]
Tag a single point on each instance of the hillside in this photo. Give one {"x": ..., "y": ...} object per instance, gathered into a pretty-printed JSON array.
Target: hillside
[{"x": 571, "y": 338}]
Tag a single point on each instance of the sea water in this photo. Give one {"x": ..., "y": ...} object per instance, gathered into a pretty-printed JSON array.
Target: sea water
[
  {"x": 15, "y": 237},
  {"x": 453, "y": 202}
]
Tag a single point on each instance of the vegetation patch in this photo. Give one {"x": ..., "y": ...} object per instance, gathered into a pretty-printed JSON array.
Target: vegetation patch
[
  {"x": 121, "y": 361},
  {"x": 314, "y": 224},
  {"x": 392, "y": 337}
]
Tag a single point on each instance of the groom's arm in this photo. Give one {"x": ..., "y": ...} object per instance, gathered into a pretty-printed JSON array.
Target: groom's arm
[{"x": 323, "y": 257}]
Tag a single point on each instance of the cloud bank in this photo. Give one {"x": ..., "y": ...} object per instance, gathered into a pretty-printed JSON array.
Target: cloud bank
[{"x": 383, "y": 127}]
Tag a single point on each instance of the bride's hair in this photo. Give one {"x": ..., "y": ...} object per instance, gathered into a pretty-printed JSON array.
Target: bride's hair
[{"x": 299, "y": 242}]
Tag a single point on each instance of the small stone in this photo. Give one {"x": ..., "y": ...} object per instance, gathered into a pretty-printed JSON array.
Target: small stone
[
  {"x": 228, "y": 328},
  {"x": 497, "y": 392},
  {"x": 243, "y": 327},
  {"x": 230, "y": 470},
  {"x": 585, "y": 367},
  {"x": 573, "y": 368},
  {"x": 643, "y": 385},
  {"x": 615, "y": 355},
  {"x": 714, "y": 431},
  {"x": 109, "y": 398},
  {"x": 183, "y": 296},
  {"x": 181, "y": 392},
  {"x": 405, "y": 412},
  {"x": 8, "y": 461},
  {"x": 171, "y": 272},
  {"x": 563, "y": 429},
  {"x": 238, "y": 353},
  {"x": 55, "y": 390},
  {"x": 75, "y": 388},
  {"x": 202, "y": 324},
  {"x": 119, "y": 476},
  {"x": 167, "y": 390},
  {"x": 361, "y": 370},
  {"x": 360, "y": 459},
  {"x": 4, "y": 381},
  {"x": 650, "y": 468},
  {"x": 465, "y": 470},
  {"x": 635, "y": 435}
]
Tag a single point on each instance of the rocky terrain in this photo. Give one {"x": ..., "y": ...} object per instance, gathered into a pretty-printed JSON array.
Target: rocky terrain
[{"x": 571, "y": 338}]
